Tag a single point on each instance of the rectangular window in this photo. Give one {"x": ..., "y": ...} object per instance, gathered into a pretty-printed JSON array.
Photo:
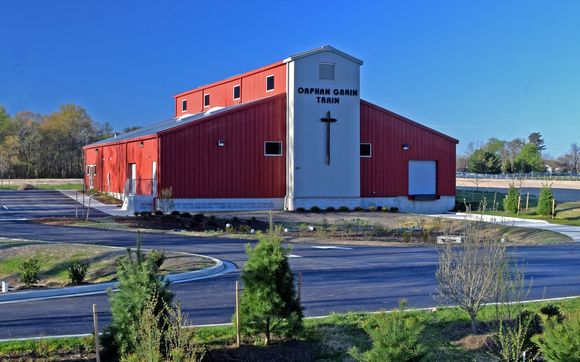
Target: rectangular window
[
  {"x": 206, "y": 100},
  {"x": 269, "y": 83},
  {"x": 365, "y": 150},
  {"x": 272, "y": 148},
  {"x": 236, "y": 92},
  {"x": 184, "y": 105}
]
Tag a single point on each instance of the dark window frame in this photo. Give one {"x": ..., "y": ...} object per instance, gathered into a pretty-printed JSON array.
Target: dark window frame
[
  {"x": 239, "y": 88},
  {"x": 268, "y": 89},
  {"x": 206, "y": 100},
  {"x": 267, "y": 154},
  {"x": 184, "y": 105},
  {"x": 370, "y": 153}
]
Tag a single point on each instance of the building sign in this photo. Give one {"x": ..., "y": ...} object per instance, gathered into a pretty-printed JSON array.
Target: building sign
[{"x": 328, "y": 95}]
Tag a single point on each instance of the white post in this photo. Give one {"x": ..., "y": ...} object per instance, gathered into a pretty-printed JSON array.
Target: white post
[
  {"x": 4, "y": 287},
  {"x": 96, "y": 333}
]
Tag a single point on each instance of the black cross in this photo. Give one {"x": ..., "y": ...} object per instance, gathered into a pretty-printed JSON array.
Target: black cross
[{"x": 328, "y": 121}]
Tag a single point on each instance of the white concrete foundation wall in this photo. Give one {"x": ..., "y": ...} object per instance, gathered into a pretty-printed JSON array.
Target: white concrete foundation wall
[
  {"x": 443, "y": 204},
  {"x": 323, "y": 203},
  {"x": 135, "y": 203},
  {"x": 195, "y": 205}
]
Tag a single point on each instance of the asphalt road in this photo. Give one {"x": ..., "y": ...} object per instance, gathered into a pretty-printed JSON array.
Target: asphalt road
[{"x": 340, "y": 279}]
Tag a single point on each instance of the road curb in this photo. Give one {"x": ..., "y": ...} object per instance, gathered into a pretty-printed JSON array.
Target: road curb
[{"x": 220, "y": 268}]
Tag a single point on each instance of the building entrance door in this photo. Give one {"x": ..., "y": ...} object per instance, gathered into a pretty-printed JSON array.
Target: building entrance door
[{"x": 132, "y": 178}]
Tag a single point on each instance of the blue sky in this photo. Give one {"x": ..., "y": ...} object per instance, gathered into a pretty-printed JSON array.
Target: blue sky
[{"x": 470, "y": 69}]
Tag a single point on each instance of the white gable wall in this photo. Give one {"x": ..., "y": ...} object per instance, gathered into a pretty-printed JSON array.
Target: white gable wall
[{"x": 310, "y": 181}]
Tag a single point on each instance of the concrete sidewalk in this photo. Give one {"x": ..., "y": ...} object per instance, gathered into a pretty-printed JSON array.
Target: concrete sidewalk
[
  {"x": 221, "y": 267},
  {"x": 112, "y": 210},
  {"x": 568, "y": 230}
]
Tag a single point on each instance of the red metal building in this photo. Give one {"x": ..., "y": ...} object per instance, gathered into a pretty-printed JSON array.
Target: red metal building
[{"x": 291, "y": 134}]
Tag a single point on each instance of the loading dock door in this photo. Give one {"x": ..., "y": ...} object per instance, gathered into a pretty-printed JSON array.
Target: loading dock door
[{"x": 422, "y": 178}]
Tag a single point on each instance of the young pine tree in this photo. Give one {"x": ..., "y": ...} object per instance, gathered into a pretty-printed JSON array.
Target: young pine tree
[
  {"x": 545, "y": 201},
  {"x": 269, "y": 304},
  {"x": 139, "y": 285},
  {"x": 510, "y": 203}
]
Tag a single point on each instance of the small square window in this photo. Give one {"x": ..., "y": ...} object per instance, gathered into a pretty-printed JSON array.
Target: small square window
[
  {"x": 184, "y": 105},
  {"x": 272, "y": 148},
  {"x": 206, "y": 100},
  {"x": 365, "y": 150},
  {"x": 269, "y": 83},
  {"x": 236, "y": 92}
]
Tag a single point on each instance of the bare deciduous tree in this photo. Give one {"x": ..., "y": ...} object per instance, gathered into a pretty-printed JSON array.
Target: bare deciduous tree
[{"x": 467, "y": 273}]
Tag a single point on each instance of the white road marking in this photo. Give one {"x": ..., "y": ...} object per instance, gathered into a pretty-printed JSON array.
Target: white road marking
[
  {"x": 331, "y": 247},
  {"x": 5, "y": 207},
  {"x": 294, "y": 256}
]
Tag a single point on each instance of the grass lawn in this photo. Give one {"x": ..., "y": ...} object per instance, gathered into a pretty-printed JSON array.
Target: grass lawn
[
  {"x": 447, "y": 337},
  {"x": 63, "y": 186},
  {"x": 55, "y": 258},
  {"x": 567, "y": 213}
]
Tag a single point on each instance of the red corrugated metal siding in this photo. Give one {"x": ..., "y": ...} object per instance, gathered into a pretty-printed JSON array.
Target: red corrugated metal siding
[
  {"x": 386, "y": 172},
  {"x": 195, "y": 167},
  {"x": 114, "y": 159},
  {"x": 252, "y": 87}
]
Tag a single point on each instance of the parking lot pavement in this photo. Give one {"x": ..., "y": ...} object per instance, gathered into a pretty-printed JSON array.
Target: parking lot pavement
[{"x": 24, "y": 205}]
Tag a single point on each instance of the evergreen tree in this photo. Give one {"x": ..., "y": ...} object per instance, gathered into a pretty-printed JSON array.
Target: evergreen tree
[
  {"x": 529, "y": 159},
  {"x": 510, "y": 203},
  {"x": 482, "y": 161},
  {"x": 536, "y": 139},
  {"x": 269, "y": 304},
  {"x": 545, "y": 201},
  {"x": 139, "y": 285}
]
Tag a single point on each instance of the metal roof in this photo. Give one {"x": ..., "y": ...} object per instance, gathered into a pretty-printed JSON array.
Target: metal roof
[
  {"x": 325, "y": 48},
  {"x": 155, "y": 128}
]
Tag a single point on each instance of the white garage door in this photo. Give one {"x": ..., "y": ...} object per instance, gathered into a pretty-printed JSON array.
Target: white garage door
[{"x": 422, "y": 177}]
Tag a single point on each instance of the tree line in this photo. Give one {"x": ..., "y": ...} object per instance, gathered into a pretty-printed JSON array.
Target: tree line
[
  {"x": 33, "y": 145},
  {"x": 519, "y": 155}
]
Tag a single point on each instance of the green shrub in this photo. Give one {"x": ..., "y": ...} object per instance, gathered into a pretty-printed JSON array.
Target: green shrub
[
  {"x": 77, "y": 271},
  {"x": 343, "y": 208},
  {"x": 330, "y": 209},
  {"x": 173, "y": 342},
  {"x": 552, "y": 311},
  {"x": 560, "y": 341},
  {"x": 267, "y": 273},
  {"x": 198, "y": 217},
  {"x": 138, "y": 285},
  {"x": 393, "y": 209},
  {"x": 28, "y": 272},
  {"x": 185, "y": 214},
  {"x": 175, "y": 213},
  {"x": 157, "y": 258},
  {"x": 510, "y": 203},
  {"x": 358, "y": 208},
  {"x": 545, "y": 201},
  {"x": 315, "y": 209},
  {"x": 395, "y": 338},
  {"x": 300, "y": 209},
  {"x": 514, "y": 337},
  {"x": 373, "y": 208}
]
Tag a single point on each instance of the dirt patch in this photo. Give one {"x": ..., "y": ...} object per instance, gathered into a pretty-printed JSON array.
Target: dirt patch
[
  {"x": 475, "y": 342},
  {"x": 288, "y": 351},
  {"x": 493, "y": 183}
]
